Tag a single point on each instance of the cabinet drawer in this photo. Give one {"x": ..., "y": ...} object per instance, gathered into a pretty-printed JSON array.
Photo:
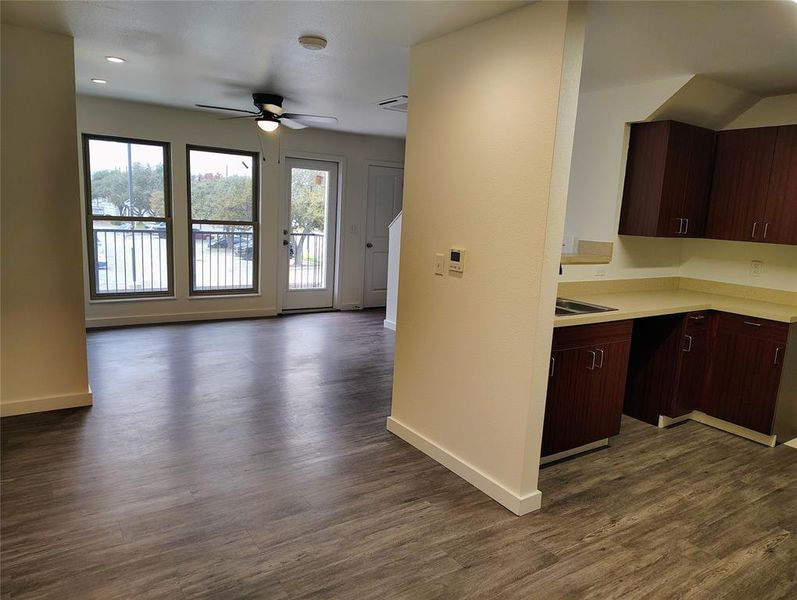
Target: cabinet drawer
[
  {"x": 578, "y": 336},
  {"x": 761, "y": 328}
]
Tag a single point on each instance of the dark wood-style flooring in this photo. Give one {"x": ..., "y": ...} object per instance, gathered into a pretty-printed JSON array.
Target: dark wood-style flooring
[{"x": 249, "y": 459}]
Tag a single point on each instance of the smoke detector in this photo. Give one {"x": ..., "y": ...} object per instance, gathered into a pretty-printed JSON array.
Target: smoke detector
[
  {"x": 397, "y": 104},
  {"x": 313, "y": 42}
]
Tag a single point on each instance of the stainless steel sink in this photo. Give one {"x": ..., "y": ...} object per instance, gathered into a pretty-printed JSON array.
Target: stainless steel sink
[{"x": 566, "y": 307}]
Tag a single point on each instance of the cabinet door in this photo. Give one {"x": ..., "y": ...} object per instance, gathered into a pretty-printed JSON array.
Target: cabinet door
[
  {"x": 741, "y": 179},
  {"x": 640, "y": 213},
  {"x": 567, "y": 403},
  {"x": 695, "y": 354},
  {"x": 745, "y": 375},
  {"x": 781, "y": 207},
  {"x": 607, "y": 390},
  {"x": 698, "y": 180}
]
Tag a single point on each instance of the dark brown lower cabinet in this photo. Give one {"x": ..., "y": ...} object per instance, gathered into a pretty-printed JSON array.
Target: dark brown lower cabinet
[
  {"x": 695, "y": 361},
  {"x": 725, "y": 365},
  {"x": 586, "y": 385},
  {"x": 668, "y": 366},
  {"x": 746, "y": 366}
]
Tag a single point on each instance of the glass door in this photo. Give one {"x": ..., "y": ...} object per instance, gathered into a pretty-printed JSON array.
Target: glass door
[{"x": 311, "y": 202}]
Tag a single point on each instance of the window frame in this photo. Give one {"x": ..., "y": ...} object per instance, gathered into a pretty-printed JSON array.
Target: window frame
[
  {"x": 91, "y": 218},
  {"x": 254, "y": 223}
]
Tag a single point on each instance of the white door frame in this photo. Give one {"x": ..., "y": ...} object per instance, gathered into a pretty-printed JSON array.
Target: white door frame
[
  {"x": 282, "y": 271},
  {"x": 363, "y": 250}
]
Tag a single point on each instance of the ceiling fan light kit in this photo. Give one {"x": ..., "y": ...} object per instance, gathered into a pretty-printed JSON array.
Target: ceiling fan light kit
[
  {"x": 268, "y": 123},
  {"x": 269, "y": 114}
]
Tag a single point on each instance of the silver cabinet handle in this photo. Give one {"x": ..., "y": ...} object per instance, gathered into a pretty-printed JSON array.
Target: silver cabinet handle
[
  {"x": 777, "y": 353},
  {"x": 553, "y": 366},
  {"x": 766, "y": 228},
  {"x": 594, "y": 356},
  {"x": 600, "y": 366},
  {"x": 686, "y": 226},
  {"x": 697, "y": 317},
  {"x": 754, "y": 324},
  {"x": 689, "y": 347},
  {"x": 752, "y": 233},
  {"x": 680, "y": 226}
]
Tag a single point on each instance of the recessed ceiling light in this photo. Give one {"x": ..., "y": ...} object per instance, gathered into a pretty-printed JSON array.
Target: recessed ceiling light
[
  {"x": 114, "y": 59},
  {"x": 315, "y": 42},
  {"x": 98, "y": 80}
]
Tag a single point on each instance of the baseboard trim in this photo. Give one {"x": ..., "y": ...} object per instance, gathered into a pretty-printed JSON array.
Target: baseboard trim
[
  {"x": 791, "y": 443},
  {"x": 755, "y": 436},
  {"x": 389, "y": 324},
  {"x": 180, "y": 317},
  {"x": 574, "y": 451},
  {"x": 665, "y": 421},
  {"x": 34, "y": 405},
  {"x": 701, "y": 417},
  {"x": 350, "y": 306},
  {"x": 520, "y": 505}
]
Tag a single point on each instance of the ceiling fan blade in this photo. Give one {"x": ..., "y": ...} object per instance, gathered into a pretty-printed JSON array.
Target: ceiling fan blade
[
  {"x": 290, "y": 124},
  {"x": 225, "y": 108},
  {"x": 309, "y": 119},
  {"x": 239, "y": 117}
]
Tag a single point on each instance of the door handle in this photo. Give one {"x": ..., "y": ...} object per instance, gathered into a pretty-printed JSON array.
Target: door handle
[
  {"x": 754, "y": 324},
  {"x": 600, "y": 366},
  {"x": 369, "y": 245},
  {"x": 697, "y": 317},
  {"x": 686, "y": 226},
  {"x": 689, "y": 347},
  {"x": 594, "y": 356},
  {"x": 766, "y": 228},
  {"x": 752, "y": 233},
  {"x": 680, "y": 226},
  {"x": 553, "y": 366},
  {"x": 777, "y": 353}
]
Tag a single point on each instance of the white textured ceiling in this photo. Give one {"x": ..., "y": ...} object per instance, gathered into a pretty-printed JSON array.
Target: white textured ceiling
[
  {"x": 184, "y": 53},
  {"x": 750, "y": 45}
]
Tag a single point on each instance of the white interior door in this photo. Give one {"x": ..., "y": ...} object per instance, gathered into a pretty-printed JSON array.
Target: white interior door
[
  {"x": 311, "y": 202},
  {"x": 385, "y": 189}
]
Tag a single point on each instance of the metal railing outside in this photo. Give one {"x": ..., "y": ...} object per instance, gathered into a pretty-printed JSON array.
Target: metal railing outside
[
  {"x": 127, "y": 260},
  {"x": 223, "y": 260},
  {"x": 307, "y": 261}
]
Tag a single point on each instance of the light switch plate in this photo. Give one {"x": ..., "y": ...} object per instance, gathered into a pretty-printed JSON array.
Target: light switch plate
[{"x": 438, "y": 263}]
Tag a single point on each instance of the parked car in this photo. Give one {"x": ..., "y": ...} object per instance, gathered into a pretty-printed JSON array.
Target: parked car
[{"x": 244, "y": 249}]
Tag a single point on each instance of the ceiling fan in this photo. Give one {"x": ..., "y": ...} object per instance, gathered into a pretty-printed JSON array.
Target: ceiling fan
[{"x": 270, "y": 114}]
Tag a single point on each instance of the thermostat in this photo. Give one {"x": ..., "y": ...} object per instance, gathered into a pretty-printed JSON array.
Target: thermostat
[{"x": 456, "y": 260}]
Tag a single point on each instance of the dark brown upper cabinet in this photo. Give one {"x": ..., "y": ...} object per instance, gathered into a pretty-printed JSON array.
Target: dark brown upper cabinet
[
  {"x": 741, "y": 179},
  {"x": 667, "y": 180},
  {"x": 780, "y": 216},
  {"x": 754, "y": 191}
]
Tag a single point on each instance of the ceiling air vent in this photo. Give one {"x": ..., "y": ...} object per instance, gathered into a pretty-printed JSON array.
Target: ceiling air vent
[{"x": 398, "y": 104}]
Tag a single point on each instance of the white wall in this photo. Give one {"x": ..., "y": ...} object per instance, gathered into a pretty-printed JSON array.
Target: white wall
[
  {"x": 393, "y": 255},
  {"x": 472, "y": 349},
  {"x": 181, "y": 127},
  {"x": 596, "y": 185},
  {"x": 43, "y": 346},
  {"x": 596, "y": 178}
]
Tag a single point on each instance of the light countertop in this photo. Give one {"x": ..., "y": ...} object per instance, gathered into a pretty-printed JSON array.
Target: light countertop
[{"x": 633, "y": 305}]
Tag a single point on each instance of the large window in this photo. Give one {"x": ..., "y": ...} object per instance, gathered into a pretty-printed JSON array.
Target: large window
[
  {"x": 128, "y": 217},
  {"x": 222, "y": 209}
]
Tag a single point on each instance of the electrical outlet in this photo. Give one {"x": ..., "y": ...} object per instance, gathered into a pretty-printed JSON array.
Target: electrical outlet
[
  {"x": 756, "y": 268},
  {"x": 600, "y": 272},
  {"x": 438, "y": 264}
]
